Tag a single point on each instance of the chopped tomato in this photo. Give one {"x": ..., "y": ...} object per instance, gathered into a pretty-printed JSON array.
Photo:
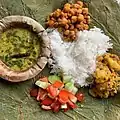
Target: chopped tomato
[
  {"x": 55, "y": 99},
  {"x": 80, "y": 96},
  {"x": 55, "y": 96},
  {"x": 72, "y": 98},
  {"x": 63, "y": 96},
  {"x": 42, "y": 94},
  {"x": 34, "y": 92},
  {"x": 63, "y": 100},
  {"x": 58, "y": 84},
  {"x": 56, "y": 106},
  {"x": 72, "y": 105},
  {"x": 53, "y": 92},
  {"x": 47, "y": 101}
]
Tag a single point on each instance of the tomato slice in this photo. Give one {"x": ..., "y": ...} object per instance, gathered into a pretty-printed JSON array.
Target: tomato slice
[
  {"x": 56, "y": 106},
  {"x": 34, "y": 92},
  {"x": 58, "y": 84},
  {"x": 80, "y": 96},
  {"x": 72, "y": 98},
  {"x": 53, "y": 92},
  {"x": 47, "y": 101},
  {"x": 63, "y": 96},
  {"x": 42, "y": 94},
  {"x": 72, "y": 105}
]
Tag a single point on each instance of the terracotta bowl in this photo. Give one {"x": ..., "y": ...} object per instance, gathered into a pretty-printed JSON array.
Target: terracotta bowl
[{"x": 27, "y": 23}]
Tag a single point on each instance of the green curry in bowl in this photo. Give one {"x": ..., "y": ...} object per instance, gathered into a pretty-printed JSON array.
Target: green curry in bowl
[
  {"x": 19, "y": 48},
  {"x": 24, "y": 48}
]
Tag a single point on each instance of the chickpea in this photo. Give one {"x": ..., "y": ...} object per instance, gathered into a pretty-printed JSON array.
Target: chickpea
[
  {"x": 66, "y": 32},
  {"x": 86, "y": 27},
  {"x": 76, "y": 6},
  {"x": 88, "y": 20},
  {"x": 66, "y": 9},
  {"x": 58, "y": 10},
  {"x": 86, "y": 16},
  {"x": 76, "y": 30},
  {"x": 57, "y": 14},
  {"x": 79, "y": 11},
  {"x": 73, "y": 37},
  {"x": 50, "y": 23},
  {"x": 62, "y": 14},
  {"x": 69, "y": 21},
  {"x": 64, "y": 21},
  {"x": 56, "y": 24},
  {"x": 81, "y": 23},
  {"x": 72, "y": 33},
  {"x": 59, "y": 20},
  {"x": 65, "y": 15},
  {"x": 74, "y": 19},
  {"x": 85, "y": 10},
  {"x": 80, "y": 3},
  {"x": 66, "y": 26},
  {"x": 75, "y": 10},
  {"x": 85, "y": 21},
  {"x": 71, "y": 27},
  {"x": 67, "y": 5},
  {"x": 52, "y": 18},
  {"x": 79, "y": 26},
  {"x": 69, "y": 14},
  {"x": 72, "y": 11},
  {"x": 80, "y": 18}
]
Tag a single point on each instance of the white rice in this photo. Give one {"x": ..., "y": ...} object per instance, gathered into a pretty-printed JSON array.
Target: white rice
[{"x": 78, "y": 59}]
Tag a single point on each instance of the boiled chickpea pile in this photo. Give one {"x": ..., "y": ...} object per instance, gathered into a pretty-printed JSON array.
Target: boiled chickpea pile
[
  {"x": 71, "y": 19},
  {"x": 106, "y": 79}
]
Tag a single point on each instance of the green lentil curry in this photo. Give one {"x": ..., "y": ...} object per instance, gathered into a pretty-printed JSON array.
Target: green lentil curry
[{"x": 19, "y": 48}]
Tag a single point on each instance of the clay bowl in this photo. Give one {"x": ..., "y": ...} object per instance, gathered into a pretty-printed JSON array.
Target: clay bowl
[{"x": 27, "y": 23}]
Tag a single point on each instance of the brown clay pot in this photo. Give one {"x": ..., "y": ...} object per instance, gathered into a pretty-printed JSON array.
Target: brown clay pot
[{"x": 28, "y": 23}]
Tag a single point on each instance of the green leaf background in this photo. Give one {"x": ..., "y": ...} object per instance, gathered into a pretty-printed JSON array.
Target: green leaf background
[{"x": 15, "y": 101}]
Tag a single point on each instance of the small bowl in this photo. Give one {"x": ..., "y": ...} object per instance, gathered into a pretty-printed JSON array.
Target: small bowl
[{"x": 27, "y": 23}]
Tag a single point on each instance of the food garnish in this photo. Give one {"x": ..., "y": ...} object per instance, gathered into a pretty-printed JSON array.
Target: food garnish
[
  {"x": 69, "y": 20},
  {"x": 54, "y": 95},
  {"x": 106, "y": 79}
]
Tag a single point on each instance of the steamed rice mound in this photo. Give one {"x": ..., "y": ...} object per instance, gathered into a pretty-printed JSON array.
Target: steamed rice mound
[{"x": 78, "y": 59}]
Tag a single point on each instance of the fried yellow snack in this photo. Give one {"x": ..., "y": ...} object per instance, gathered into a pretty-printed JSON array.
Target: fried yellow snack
[
  {"x": 113, "y": 61},
  {"x": 106, "y": 79}
]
